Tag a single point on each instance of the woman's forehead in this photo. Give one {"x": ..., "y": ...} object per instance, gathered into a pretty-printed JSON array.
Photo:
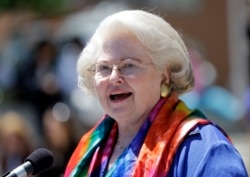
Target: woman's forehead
[{"x": 124, "y": 46}]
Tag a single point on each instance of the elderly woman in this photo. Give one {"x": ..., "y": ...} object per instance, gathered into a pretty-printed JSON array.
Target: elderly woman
[{"x": 137, "y": 65}]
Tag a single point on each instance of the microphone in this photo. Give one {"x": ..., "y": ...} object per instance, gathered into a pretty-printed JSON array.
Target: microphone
[{"x": 38, "y": 161}]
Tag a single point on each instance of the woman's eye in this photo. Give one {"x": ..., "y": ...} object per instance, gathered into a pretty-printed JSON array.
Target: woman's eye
[
  {"x": 129, "y": 65},
  {"x": 103, "y": 68}
]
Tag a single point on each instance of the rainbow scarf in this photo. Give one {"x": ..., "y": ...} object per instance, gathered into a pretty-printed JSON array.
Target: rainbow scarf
[{"x": 150, "y": 153}]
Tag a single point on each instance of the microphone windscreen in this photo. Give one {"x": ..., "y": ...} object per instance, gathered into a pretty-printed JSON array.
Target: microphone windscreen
[{"x": 41, "y": 159}]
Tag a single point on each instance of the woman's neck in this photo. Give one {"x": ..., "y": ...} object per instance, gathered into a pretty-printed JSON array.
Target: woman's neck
[{"x": 126, "y": 133}]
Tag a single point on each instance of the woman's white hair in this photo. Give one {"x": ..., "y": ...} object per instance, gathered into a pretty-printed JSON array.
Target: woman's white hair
[{"x": 164, "y": 45}]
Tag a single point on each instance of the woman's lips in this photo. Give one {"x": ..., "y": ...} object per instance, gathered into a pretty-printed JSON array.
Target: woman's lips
[{"x": 119, "y": 96}]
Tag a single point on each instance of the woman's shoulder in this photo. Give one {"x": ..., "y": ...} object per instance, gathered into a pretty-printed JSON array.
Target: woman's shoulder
[
  {"x": 207, "y": 151},
  {"x": 207, "y": 133}
]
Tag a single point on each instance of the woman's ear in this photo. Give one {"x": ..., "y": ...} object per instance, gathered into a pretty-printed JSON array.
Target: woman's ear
[{"x": 166, "y": 75}]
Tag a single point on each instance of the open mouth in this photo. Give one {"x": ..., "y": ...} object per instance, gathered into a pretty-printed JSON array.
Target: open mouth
[{"x": 120, "y": 96}]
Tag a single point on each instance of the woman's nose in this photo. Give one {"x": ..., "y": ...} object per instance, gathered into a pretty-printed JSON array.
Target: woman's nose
[{"x": 115, "y": 75}]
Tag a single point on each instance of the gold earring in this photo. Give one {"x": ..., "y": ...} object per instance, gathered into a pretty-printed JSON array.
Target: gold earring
[{"x": 164, "y": 90}]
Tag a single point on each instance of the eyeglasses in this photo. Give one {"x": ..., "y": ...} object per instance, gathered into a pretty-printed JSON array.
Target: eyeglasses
[{"x": 125, "y": 67}]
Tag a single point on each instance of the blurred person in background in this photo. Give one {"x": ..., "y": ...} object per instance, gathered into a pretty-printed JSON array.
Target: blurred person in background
[
  {"x": 9, "y": 61},
  {"x": 137, "y": 66},
  {"x": 206, "y": 89},
  {"x": 36, "y": 83},
  {"x": 17, "y": 140},
  {"x": 59, "y": 137},
  {"x": 67, "y": 58}
]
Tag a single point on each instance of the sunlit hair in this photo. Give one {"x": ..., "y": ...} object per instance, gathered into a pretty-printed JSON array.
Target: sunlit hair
[{"x": 162, "y": 42}]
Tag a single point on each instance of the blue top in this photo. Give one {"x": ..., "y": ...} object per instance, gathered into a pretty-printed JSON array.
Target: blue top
[{"x": 206, "y": 152}]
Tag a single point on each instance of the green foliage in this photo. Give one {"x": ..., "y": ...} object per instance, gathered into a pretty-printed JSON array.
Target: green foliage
[{"x": 39, "y": 6}]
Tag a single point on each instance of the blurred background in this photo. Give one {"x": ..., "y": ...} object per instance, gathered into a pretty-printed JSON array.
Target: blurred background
[{"x": 41, "y": 105}]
